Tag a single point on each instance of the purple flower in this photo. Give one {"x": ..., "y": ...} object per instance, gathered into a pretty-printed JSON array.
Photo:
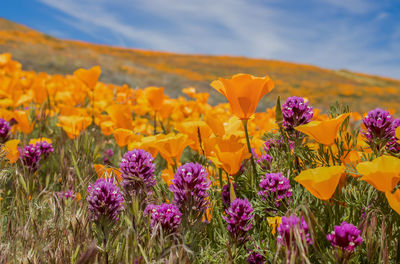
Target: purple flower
[
  {"x": 137, "y": 171},
  {"x": 4, "y": 130},
  {"x": 45, "y": 148},
  {"x": 276, "y": 187},
  {"x": 190, "y": 187},
  {"x": 392, "y": 145},
  {"x": 276, "y": 143},
  {"x": 256, "y": 258},
  {"x": 30, "y": 157},
  {"x": 265, "y": 161},
  {"x": 296, "y": 112},
  {"x": 226, "y": 195},
  {"x": 107, "y": 155},
  {"x": 166, "y": 215},
  {"x": 105, "y": 200},
  {"x": 346, "y": 236},
  {"x": 291, "y": 226},
  {"x": 239, "y": 218},
  {"x": 67, "y": 194},
  {"x": 379, "y": 125}
]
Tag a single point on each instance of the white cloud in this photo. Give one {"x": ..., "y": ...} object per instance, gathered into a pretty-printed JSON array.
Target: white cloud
[{"x": 260, "y": 29}]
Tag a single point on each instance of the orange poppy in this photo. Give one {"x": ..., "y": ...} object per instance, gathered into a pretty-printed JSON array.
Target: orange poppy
[
  {"x": 168, "y": 175},
  {"x": 394, "y": 200},
  {"x": 74, "y": 125},
  {"x": 324, "y": 132},
  {"x": 155, "y": 97},
  {"x": 171, "y": 146},
  {"x": 321, "y": 182},
  {"x": 121, "y": 116},
  {"x": 11, "y": 150},
  {"x": 230, "y": 152},
  {"x": 23, "y": 122},
  {"x": 89, "y": 77},
  {"x": 383, "y": 173},
  {"x": 243, "y": 91}
]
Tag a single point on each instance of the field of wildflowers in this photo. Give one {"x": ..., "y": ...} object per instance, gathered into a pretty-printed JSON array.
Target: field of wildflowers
[{"x": 99, "y": 173}]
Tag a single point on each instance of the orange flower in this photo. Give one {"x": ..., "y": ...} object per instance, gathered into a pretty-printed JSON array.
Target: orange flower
[
  {"x": 243, "y": 92},
  {"x": 168, "y": 175},
  {"x": 171, "y": 146},
  {"x": 121, "y": 116},
  {"x": 23, "y": 122},
  {"x": 398, "y": 134},
  {"x": 11, "y": 149},
  {"x": 324, "y": 132},
  {"x": 155, "y": 97},
  {"x": 394, "y": 200},
  {"x": 122, "y": 136},
  {"x": 383, "y": 173},
  {"x": 230, "y": 152},
  {"x": 321, "y": 182},
  {"x": 107, "y": 172},
  {"x": 194, "y": 129},
  {"x": 107, "y": 127},
  {"x": 74, "y": 125},
  {"x": 89, "y": 77}
]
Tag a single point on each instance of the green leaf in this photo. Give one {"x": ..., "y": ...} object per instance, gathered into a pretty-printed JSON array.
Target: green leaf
[{"x": 278, "y": 112}]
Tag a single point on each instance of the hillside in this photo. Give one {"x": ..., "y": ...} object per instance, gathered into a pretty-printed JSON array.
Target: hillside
[{"x": 139, "y": 68}]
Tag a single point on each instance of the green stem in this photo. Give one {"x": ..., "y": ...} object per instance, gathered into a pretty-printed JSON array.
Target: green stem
[
  {"x": 155, "y": 122},
  {"x": 253, "y": 164},
  {"x": 105, "y": 245}
]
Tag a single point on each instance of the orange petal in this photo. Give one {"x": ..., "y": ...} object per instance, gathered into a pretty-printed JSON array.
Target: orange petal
[
  {"x": 321, "y": 182},
  {"x": 324, "y": 132},
  {"x": 383, "y": 173},
  {"x": 11, "y": 149},
  {"x": 394, "y": 200}
]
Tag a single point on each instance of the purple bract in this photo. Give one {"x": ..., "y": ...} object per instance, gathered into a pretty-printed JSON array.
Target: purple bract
[
  {"x": 239, "y": 218},
  {"x": 345, "y": 236},
  {"x": 276, "y": 187},
  {"x": 105, "y": 200},
  {"x": 137, "y": 171},
  {"x": 166, "y": 215},
  {"x": 190, "y": 187}
]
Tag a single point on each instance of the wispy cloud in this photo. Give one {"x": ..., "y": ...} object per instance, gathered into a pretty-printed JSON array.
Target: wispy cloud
[{"x": 329, "y": 33}]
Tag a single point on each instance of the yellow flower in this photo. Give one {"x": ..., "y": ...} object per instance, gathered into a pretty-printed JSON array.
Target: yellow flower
[
  {"x": 324, "y": 132},
  {"x": 274, "y": 222},
  {"x": 398, "y": 134},
  {"x": 394, "y": 200},
  {"x": 243, "y": 92},
  {"x": 36, "y": 140},
  {"x": 321, "y": 182},
  {"x": 383, "y": 173}
]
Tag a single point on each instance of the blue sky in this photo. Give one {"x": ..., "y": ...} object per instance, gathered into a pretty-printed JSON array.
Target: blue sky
[{"x": 360, "y": 35}]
